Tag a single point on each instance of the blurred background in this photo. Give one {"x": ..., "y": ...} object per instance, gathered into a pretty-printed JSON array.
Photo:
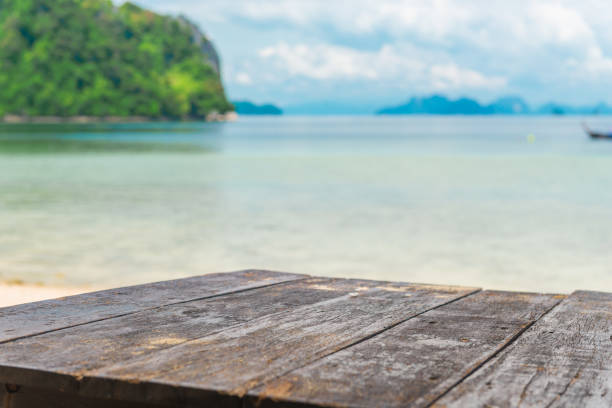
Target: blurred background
[{"x": 437, "y": 142}]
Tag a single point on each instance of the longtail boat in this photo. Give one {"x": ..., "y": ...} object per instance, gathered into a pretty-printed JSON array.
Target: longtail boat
[{"x": 596, "y": 135}]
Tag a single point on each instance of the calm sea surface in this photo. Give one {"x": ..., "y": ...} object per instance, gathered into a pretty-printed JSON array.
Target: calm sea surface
[{"x": 521, "y": 203}]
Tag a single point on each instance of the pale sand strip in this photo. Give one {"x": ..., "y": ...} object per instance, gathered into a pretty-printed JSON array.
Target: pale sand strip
[{"x": 16, "y": 294}]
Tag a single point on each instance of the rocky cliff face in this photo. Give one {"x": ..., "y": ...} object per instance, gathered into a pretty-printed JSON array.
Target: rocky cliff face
[{"x": 205, "y": 45}]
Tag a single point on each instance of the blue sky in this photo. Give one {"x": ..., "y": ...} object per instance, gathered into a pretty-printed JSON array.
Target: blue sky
[{"x": 367, "y": 54}]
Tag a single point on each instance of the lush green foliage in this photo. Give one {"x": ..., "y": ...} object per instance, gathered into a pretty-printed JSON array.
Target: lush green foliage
[{"x": 88, "y": 57}]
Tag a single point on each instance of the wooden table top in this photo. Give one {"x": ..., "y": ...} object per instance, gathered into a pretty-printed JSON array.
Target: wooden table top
[{"x": 267, "y": 339}]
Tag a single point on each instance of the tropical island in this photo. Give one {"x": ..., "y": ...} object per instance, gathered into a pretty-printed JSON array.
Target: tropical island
[
  {"x": 91, "y": 60},
  {"x": 250, "y": 108},
  {"x": 509, "y": 105}
]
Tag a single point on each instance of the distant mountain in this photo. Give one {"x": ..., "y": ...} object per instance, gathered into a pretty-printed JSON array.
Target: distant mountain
[
  {"x": 249, "y": 108},
  {"x": 441, "y": 105},
  {"x": 558, "y": 109},
  {"x": 510, "y": 105},
  {"x": 436, "y": 104},
  {"x": 552, "y": 109}
]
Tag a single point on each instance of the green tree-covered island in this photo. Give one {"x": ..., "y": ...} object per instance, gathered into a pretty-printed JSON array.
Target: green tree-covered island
[{"x": 92, "y": 59}]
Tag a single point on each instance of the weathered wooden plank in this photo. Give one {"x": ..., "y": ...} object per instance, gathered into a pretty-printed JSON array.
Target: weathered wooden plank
[
  {"x": 564, "y": 360},
  {"x": 81, "y": 350},
  {"x": 32, "y": 397},
  {"x": 222, "y": 367},
  {"x": 413, "y": 363},
  {"x": 40, "y": 317}
]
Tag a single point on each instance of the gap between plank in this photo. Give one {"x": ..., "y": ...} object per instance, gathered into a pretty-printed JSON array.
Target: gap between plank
[
  {"x": 492, "y": 356},
  {"x": 368, "y": 337},
  {"x": 227, "y": 327},
  {"x": 153, "y": 308},
  {"x": 329, "y": 280}
]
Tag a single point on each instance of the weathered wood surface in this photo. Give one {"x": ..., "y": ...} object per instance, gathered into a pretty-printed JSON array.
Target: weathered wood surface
[
  {"x": 220, "y": 368},
  {"x": 416, "y": 361},
  {"x": 40, "y": 317},
  {"x": 80, "y": 351},
  {"x": 268, "y": 339},
  {"x": 236, "y": 360},
  {"x": 564, "y": 360}
]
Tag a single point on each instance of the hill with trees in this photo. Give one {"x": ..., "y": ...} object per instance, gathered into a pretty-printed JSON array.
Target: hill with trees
[{"x": 65, "y": 58}]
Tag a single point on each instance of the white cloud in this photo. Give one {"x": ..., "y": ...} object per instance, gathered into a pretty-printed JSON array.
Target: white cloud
[
  {"x": 321, "y": 61},
  {"x": 435, "y": 20},
  {"x": 295, "y": 11},
  {"x": 388, "y": 64},
  {"x": 595, "y": 64},
  {"x": 557, "y": 24},
  {"x": 542, "y": 49},
  {"x": 474, "y": 23},
  {"x": 450, "y": 76},
  {"x": 243, "y": 78}
]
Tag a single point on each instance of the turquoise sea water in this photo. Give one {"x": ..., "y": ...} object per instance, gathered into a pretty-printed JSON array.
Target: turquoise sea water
[{"x": 452, "y": 200}]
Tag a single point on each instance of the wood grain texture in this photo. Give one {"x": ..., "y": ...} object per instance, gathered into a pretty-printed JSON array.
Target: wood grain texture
[
  {"x": 564, "y": 360},
  {"x": 81, "y": 350},
  {"x": 40, "y": 317},
  {"x": 413, "y": 363},
  {"x": 220, "y": 368}
]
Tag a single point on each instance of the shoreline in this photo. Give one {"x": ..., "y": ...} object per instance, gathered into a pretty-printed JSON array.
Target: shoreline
[
  {"x": 83, "y": 119},
  {"x": 12, "y": 294}
]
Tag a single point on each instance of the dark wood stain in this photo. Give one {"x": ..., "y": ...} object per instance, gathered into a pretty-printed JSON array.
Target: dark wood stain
[{"x": 32, "y": 397}]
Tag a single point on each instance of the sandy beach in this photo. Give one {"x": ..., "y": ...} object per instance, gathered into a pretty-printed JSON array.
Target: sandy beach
[{"x": 14, "y": 294}]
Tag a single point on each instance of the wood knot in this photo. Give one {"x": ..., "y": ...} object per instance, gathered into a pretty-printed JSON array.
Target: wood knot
[{"x": 12, "y": 388}]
